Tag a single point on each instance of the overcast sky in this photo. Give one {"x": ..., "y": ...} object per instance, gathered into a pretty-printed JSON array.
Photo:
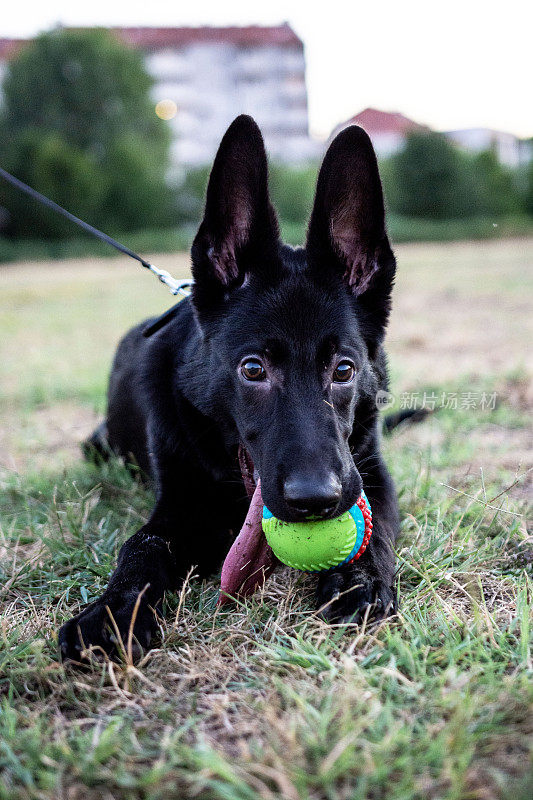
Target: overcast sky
[{"x": 453, "y": 64}]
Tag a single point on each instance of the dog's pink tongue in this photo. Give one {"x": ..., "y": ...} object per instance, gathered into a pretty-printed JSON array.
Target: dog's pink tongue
[{"x": 250, "y": 559}]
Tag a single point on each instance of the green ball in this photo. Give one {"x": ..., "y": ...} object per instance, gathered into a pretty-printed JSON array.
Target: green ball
[{"x": 317, "y": 545}]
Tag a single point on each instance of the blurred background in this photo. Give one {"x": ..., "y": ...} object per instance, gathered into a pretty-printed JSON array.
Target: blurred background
[{"x": 120, "y": 122}]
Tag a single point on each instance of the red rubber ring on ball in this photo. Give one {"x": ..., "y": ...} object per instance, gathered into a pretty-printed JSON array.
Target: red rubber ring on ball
[{"x": 367, "y": 516}]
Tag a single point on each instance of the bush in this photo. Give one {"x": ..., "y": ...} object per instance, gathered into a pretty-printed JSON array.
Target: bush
[
  {"x": 293, "y": 191},
  {"x": 431, "y": 178},
  {"x": 426, "y": 178},
  {"x": 495, "y": 186}
]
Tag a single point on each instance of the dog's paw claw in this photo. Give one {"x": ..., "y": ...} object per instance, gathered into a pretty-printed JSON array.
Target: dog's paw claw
[{"x": 352, "y": 597}]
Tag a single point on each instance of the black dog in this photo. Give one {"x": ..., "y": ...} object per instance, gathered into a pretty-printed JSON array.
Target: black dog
[{"x": 277, "y": 353}]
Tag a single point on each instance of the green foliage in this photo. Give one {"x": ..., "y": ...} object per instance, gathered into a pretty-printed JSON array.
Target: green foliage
[
  {"x": 59, "y": 170},
  {"x": 431, "y": 178},
  {"x": 528, "y": 185},
  {"x": 191, "y": 195},
  {"x": 495, "y": 186},
  {"x": 137, "y": 196},
  {"x": 426, "y": 178},
  {"x": 477, "y": 197},
  {"x": 293, "y": 190},
  {"x": 434, "y": 192},
  {"x": 78, "y": 125},
  {"x": 83, "y": 84}
]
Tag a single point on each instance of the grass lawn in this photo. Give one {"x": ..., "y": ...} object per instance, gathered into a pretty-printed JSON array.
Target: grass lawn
[{"x": 264, "y": 700}]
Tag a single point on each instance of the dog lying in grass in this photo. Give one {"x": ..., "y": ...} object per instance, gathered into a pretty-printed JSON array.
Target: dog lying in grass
[{"x": 268, "y": 371}]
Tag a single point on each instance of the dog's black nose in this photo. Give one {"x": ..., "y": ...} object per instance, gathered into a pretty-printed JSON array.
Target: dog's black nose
[{"x": 309, "y": 496}]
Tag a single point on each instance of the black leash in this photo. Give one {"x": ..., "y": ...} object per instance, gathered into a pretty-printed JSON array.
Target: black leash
[{"x": 175, "y": 287}]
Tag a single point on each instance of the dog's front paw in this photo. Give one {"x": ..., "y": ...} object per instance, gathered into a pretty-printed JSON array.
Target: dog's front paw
[
  {"x": 348, "y": 594},
  {"x": 103, "y": 628}
]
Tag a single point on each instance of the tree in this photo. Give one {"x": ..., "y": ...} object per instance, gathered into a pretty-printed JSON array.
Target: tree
[
  {"x": 496, "y": 187},
  {"x": 78, "y": 124},
  {"x": 427, "y": 178}
]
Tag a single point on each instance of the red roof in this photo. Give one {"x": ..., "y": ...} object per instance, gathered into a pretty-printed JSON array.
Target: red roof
[
  {"x": 160, "y": 38},
  {"x": 9, "y": 48},
  {"x": 249, "y": 36},
  {"x": 375, "y": 122}
]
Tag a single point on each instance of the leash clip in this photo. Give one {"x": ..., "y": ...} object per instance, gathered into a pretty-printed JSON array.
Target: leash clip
[{"x": 182, "y": 287}]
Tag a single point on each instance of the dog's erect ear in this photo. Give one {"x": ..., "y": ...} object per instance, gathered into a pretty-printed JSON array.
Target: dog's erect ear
[
  {"x": 239, "y": 231},
  {"x": 347, "y": 226}
]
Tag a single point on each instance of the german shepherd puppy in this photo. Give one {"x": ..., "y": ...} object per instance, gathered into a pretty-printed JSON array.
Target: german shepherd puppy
[{"x": 277, "y": 357}]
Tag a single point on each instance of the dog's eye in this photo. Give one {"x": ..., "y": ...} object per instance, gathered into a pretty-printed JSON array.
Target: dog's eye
[
  {"x": 344, "y": 372},
  {"x": 253, "y": 370}
]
